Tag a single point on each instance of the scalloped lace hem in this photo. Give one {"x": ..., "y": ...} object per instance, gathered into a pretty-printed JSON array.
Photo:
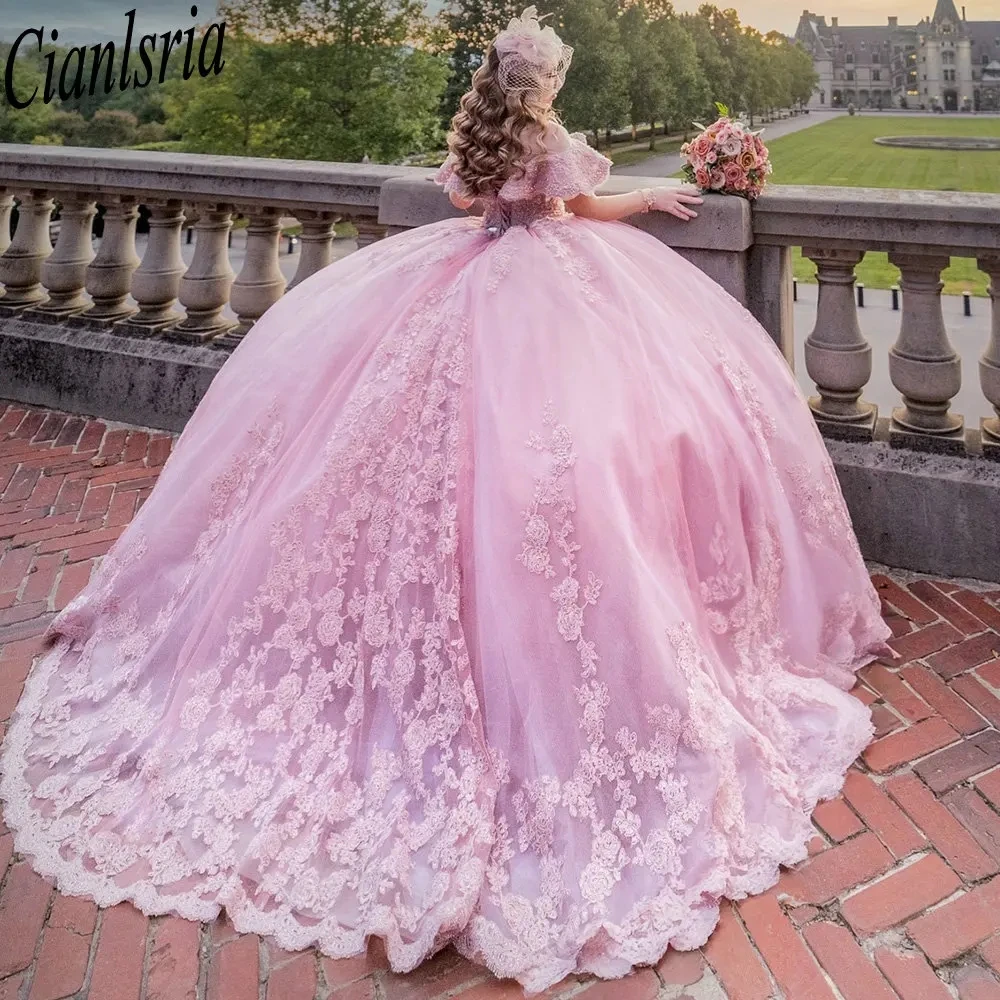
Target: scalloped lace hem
[{"x": 605, "y": 949}]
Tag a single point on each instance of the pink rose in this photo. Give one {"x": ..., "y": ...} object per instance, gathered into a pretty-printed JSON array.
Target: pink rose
[
  {"x": 717, "y": 180},
  {"x": 733, "y": 174},
  {"x": 712, "y": 157},
  {"x": 731, "y": 147},
  {"x": 703, "y": 178}
]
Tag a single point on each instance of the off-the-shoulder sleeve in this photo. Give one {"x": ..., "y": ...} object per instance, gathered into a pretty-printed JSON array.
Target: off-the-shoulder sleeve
[
  {"x": 450, "y": 180},
  {"x": 573, "y": 170}
]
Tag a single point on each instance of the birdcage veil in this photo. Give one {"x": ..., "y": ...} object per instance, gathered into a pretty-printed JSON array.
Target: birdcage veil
[{"x": 531, "y": 58}]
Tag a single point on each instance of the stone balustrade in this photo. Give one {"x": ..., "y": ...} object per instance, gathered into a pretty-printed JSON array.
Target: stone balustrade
[
  {"x": 921, "y": 232},
  {"x": 158, "y": 294},
  {"x": 140, "y": 339}
]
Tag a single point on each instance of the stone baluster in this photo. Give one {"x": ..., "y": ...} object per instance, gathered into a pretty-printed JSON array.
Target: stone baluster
[
  {"x": 156, "y": 284},
  {"x": 923, "y": 365},
  {"x": 317, "y": 244},
  {"x": 260, "y": 282},
  {"x": 64, "y": 273},
  {"x": 838, "y": 358},
  {"x": 207, "y": 283},
  {"x": 6, "y": 207},
  {"x": 989, "y": 365},
  {"x": 109, "y": 276},
  {"x": 21, "y": 263},
  {"x": 369, "y": 231}
]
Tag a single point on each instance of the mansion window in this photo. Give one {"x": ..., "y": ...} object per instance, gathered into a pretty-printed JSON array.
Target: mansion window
[
  {"x": 876, "y": 75},
  {"x": 850, "y": 75},
  {"x": 850, "y": 57}
]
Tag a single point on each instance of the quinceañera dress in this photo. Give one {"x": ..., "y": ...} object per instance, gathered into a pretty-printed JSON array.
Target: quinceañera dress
[{"x": 500, "y": 592}]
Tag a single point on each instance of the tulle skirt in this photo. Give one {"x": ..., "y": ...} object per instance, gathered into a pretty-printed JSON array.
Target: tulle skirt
[{"x": 500, "y": 592}]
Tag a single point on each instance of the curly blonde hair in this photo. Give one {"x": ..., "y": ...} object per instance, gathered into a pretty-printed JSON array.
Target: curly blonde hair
[{"x": 494, "y": 131}]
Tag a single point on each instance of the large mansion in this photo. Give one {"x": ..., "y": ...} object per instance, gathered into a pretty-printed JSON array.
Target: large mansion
[{"x": 945, "y": 61}]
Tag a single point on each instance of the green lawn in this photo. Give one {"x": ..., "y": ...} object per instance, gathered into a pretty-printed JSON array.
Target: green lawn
[
  {"x": 842, "y": 153},
  {"x": 875, "y": 271}
]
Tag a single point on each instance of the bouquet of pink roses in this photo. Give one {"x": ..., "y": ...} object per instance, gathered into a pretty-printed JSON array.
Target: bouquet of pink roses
[{"x": 727, "y": 158}]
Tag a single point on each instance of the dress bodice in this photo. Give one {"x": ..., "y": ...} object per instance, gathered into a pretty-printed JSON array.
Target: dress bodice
[{"x": 564, "y": 168}]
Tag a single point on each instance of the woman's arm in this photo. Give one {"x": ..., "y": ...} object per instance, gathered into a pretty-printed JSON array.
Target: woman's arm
[{"x": 611, "y": 207}]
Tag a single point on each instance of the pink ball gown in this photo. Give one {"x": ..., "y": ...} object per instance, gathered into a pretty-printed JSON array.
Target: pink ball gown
[{"x": 500, "y": 592}]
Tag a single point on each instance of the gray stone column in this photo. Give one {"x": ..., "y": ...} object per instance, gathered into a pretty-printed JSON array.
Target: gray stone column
[
  {"x": 21, "y": 263},
  {"x": 989, "y": 365},
  {"x": 923, "y": 365},
  {"x": 317, "y": 244},
  {"x": 206, "y": 285},
  {"x": 64, "y": 273},
  {"x": 838, "y": 358},
  {"x": 6, "y": 207},
  {"x": 109, "y": 276},
  {"x": 260, "y": 282},
  {"x": 156, "y": 284},
  {"x": 770, "y": 295},
  {"x": 369, "y": 231}
]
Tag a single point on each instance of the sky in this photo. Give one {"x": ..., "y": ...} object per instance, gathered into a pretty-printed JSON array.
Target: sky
[{"x": 89, "y": 21}]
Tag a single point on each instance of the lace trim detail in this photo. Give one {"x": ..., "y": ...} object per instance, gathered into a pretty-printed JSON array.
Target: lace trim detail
[
  {"x": 369, "y": 602},
  {"x": 558, "y": 238},
  {"x": 576, "y": 170},
  {"x": 449, "y": 180},
  {"x": 501, "y": 260},
  {"x": 633, "y": 800}
]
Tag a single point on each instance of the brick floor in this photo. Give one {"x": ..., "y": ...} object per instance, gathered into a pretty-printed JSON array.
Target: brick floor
[{"x": 900, "y": 898}]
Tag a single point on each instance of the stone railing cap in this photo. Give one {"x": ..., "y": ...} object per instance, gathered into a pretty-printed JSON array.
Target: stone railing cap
[
  {"x": 291, "y": 183},
  {"x": 723, "y": 224},
  {"x": 879, "y": 218}
]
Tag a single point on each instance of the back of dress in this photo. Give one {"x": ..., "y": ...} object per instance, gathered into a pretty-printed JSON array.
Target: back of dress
[{"x": 564, "y": 168}]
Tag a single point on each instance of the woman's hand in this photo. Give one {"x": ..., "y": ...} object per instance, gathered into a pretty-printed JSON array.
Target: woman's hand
[{"x": 675, "y": 201}]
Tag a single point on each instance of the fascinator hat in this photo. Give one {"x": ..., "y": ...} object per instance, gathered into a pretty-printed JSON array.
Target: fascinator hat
[{"x": 531, "y": 57}]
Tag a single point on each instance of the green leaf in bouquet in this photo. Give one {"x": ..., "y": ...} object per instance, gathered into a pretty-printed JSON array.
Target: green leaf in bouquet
[{"x": 722, "y": 109}]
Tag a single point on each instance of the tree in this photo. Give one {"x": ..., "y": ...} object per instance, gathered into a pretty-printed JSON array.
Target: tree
[
  {"x": 803, "y": 78},
  {"x": 232, "y": 113},
  {"x": 690, "y": 94},
  {"x": 650, "y": 87},
  {"x": 111, "y": 130},
  {"x": 719, "y": 74},
  {"x": 596, "y": 92},
  {"x": 356, "y": 77},
  {"x": 469, "y": 27},
  {"x": 23, "y": 124},
  {"x": 759, "y": 80},
  {"x": 69, "y": 127}
]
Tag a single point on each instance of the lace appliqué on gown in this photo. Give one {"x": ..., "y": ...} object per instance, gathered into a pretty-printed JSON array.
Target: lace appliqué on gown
[{"x": 361, "y": 596}]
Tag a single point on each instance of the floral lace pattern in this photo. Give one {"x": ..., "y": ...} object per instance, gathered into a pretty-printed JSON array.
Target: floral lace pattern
[
  {"x": 294, "y": 691},
  {"x": 361, "y": 593},
  {"x": 629, "y": 791},
  {"x": 540, "y": 187}
]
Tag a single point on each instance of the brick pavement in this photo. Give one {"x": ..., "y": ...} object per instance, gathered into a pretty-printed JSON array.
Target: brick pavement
[{"x": 900, "y": 899}]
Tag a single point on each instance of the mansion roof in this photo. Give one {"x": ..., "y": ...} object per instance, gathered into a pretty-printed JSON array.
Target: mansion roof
[{"x": 831, "y": 39}]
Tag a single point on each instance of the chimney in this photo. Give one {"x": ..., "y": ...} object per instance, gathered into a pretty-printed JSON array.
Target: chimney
[
  {"x": 893, "y": 22},
  {"x": 963, "y": 14},
  {"x": 834, "y": 22}
]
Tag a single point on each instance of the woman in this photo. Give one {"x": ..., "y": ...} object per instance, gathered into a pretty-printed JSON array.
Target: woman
[{"x": 500, "y": 592}]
